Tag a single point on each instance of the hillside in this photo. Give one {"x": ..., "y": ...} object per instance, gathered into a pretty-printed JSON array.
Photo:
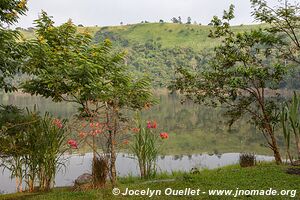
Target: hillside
[
  {"x": 157, "y": 49},
  {"x": 169, "y": 35}
]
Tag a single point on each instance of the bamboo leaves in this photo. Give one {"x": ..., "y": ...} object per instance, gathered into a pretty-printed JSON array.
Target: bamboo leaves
[{"x": 290, "y": 121}]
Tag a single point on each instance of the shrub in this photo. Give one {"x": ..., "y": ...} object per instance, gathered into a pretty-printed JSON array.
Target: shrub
[
  {"x": 247, "y": 159},
  {"x": 146, "y": 147},
  {"x": 100, "y": 171},
  {"x": 31, "y": 146},
  {"x": 290, "y": 118}
]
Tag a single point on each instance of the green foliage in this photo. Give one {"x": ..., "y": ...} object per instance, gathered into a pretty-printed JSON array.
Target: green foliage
[
  {"x": 242, "y": 68},
  {"x": 290, "y": 121},
  {"x": 68, "y": 68},
  {"x": 10, "y": 10},
  {"x": 145, "y": 148},
  {"x": 152, "y": 58},
  {"x": 284, "y": 21},
  {"x": 12, "y": 53},
  {"x": 31, "y": 147}
]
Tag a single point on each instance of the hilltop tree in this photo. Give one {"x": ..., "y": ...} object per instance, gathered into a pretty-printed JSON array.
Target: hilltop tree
[
  {"x": 174, "y": 20},
  {"x": 179, "y": 20},
  {"x": 242, "y": 70},
  {"x": 189, "y": 20}
]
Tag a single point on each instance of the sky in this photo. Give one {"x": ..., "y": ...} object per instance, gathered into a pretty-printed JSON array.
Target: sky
[{"x": 112, "y": 12}]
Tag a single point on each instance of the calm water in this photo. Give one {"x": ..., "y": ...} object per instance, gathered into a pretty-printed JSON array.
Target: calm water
[{"x": 127, "y": 165}]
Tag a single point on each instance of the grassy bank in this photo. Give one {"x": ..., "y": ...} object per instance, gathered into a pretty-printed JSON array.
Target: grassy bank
[{"x": 262, "y": 177}]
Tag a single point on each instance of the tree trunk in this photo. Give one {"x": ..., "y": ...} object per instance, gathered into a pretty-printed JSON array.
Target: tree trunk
[
  {"x": 274, "y": 146},
  {"x": 276, "y": 151},
  {"x": 268, "y": 127},
  {"x": 113, "y": 155},
  {"x": 113, "y": 171}
]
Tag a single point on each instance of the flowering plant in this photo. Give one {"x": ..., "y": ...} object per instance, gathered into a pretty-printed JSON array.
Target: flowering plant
[{"x": 146, "y": 146}]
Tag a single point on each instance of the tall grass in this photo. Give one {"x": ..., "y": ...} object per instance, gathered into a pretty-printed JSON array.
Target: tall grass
[
  {"x": 145, "y": 148},
  {"x": 31, "y": 147},
  {"x": 290, "y": 120}
]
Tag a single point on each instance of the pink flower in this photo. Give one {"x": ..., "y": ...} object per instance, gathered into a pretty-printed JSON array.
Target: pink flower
[
  {"x": 73, "y": 144},
  {"x": 164, "y": 135},
  {"x": 151, "y": 124},
  {"x": 57, "y": 123},
  {"x": 148, "y": 124}
]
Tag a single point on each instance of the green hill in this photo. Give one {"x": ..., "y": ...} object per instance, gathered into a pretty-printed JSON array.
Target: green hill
[
  {"x": 157, "y": 49},
  {"x": 170, "y": 35}
]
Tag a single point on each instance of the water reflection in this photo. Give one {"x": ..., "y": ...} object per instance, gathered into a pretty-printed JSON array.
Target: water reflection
[
  {"x": 127, "y": 165},
  {"x": 192, "y": 128}
]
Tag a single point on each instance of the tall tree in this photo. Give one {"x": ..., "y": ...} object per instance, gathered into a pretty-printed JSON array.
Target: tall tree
[
  {"x": 12, "y": 52},
  {"x": 68, "y": 67},
  {"x": 284, "y": 21},
  {"x": 243, "y": 69}
]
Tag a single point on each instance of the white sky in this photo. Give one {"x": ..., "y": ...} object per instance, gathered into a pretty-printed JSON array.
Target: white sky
[{"x": 112, "y": 12}]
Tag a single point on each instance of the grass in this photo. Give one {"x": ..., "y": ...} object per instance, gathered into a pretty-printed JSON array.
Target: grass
[
  {"x": 171, "y": 35},
  {"x": 261, "y": 177}
]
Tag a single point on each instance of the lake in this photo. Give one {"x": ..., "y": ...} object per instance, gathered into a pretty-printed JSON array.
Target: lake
[{"x": 192, "y": 128}]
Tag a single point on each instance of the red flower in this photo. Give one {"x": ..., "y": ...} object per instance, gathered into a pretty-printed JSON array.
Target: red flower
[
  {"x": 57, "y": 123},
  {"x": 126, "y": 142},
  {"x": 73, "y": 144},
  {"x": 82, "y": 134},
  {"x": 152, "y": 124},
  {"x": 135, "y": 130},
  {"x": 164, "y": 135},
  {"x": 91, "y": 125}
]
